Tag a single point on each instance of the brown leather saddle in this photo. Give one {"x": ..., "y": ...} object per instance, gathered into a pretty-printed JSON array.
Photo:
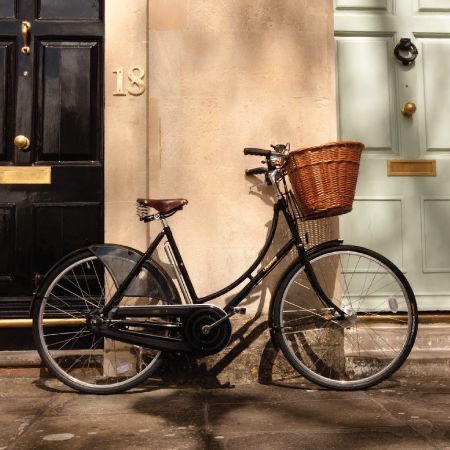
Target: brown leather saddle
[{"x": 164, "y": 206}]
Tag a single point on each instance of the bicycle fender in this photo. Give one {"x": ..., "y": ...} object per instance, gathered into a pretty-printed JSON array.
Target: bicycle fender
[
  {"x": 297, "y": 262},
  {"x": 128, "y": 256},
  {"x": 36, "y": 293},
  {"x": 323, "y": 245},
  {"x": 121, "y": 260}
]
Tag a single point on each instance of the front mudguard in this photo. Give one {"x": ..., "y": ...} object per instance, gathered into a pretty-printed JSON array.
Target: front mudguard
[
  {"x": 297, "y": 262},
  {"x": 119, "y": 260}
]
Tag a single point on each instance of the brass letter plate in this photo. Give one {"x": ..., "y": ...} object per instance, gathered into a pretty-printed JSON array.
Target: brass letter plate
[
  {"x": 411, "y": 168},
  {"x": 25, "y": 175}
]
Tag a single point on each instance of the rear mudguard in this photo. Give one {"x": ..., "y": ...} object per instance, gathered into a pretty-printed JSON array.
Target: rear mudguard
[
  {"x": 297, "y": 262},
  {"x": 120, "y": 259}
]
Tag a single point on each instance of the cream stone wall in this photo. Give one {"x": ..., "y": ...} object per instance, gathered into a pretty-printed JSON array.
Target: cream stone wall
[
  {"x": 126, "y": 141},
  {"x": 224, "y": 75}
]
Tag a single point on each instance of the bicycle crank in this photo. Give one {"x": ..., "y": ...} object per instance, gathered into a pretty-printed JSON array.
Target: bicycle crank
[{"x": 207, "y": 331}]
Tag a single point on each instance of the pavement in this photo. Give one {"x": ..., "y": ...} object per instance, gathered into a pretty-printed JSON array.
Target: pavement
[{"x": 402, "y": 413}]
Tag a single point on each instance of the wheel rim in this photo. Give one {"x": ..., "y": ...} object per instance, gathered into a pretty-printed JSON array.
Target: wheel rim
[
  {"x": 77, "y": 355},
  {"x": 361, "y": 350}
]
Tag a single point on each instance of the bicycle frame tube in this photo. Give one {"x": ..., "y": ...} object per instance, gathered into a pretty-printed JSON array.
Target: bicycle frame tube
[
  {"x": 253, "y": 280},
  {"x": 248, "y": 273},
  {"x": 280, "y": 206},
  {"x": 115, "y": 299},
  {"x": 260, "y": 275}
]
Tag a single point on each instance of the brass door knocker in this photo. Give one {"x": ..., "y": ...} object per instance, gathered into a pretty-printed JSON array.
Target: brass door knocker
[{"x": 406, "y": 45}]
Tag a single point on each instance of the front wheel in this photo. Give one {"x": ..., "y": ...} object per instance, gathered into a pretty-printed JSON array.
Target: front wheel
[{"x": 365, "y": 347}]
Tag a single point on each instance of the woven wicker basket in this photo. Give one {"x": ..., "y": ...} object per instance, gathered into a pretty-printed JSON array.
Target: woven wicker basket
[{"x": 324, "y": 178}]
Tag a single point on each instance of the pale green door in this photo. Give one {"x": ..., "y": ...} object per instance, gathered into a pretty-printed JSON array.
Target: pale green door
[{"x": 405, "y": 218}]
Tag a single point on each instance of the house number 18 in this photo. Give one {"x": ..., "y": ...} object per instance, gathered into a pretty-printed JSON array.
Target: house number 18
[{"x": 136, "y": 84}]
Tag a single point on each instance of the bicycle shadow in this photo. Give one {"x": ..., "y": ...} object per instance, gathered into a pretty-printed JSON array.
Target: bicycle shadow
[{"x": 207, "y": 415}]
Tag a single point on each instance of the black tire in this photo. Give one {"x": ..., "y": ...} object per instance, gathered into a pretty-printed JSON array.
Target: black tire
[
  {"x": 72, "y": 351},
  {"x": 345, "y": 354}
]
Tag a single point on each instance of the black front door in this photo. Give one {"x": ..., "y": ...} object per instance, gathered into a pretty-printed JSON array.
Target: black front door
[{"x": 51, "y": 121}]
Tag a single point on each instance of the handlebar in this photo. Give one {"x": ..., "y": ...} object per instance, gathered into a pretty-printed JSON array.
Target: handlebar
[
  {"x": 257, "y": 152},
  {"x": 274, "y": 160},
  {"x": 256, "y": 171}
]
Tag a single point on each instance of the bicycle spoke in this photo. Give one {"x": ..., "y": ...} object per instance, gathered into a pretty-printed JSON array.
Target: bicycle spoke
[
  {"x": 98, "y": 279},
  {"x": 59, "y": 334},
  {"x": 76, "y": 295},
  {"x": 65, "y": 312},
  {"x": 353, "y": 350},
  {"x": 82, "y": 292},
  {"x": 67, "y": 341},
  {"x": 82, "y": 357}
]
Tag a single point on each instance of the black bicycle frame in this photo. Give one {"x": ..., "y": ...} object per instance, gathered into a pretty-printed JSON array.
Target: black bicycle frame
[{"x": 279, "y": 206}]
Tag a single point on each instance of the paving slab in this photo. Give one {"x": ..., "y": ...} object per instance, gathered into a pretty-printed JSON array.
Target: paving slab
[
  {"x": 370, "y": 439},
  {"x": 22, "y": 406},
  {"x": 424, "y": 409},
  {"x": 309, "y": 416},
  {"x": 110, "y": 431},
  {"x": 161, "y": 402},
  {"x": 404, "y": 413},
  {"x": 12, "y": 426}
]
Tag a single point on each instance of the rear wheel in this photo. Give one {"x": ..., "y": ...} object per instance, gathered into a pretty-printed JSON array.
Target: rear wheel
[
  {"x": 71, "y": 348},
  {"x": 375, "y": 338}
]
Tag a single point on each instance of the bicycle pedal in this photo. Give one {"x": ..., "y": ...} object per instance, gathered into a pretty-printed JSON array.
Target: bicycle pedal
[{"x": 239, "y": 310}]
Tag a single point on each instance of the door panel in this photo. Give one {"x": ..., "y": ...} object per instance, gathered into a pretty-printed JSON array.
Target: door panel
[
  {"x": 67, "y": 113},
  {"x": 7, "y": 9},
  {"x": 6, "y": 93},
  {"x": 7, "y": 240},
  {"x": 436, "y": 235},
  {"x": 375, "y": 216},
  {"x": 63, "y": 9},
  {"x": 61, "y": 228},
  {"x": 434, "y": 5},
  {"x": 435, "y": 85},
  {"x": 381, "y": 5},
  {"x": 3, "y": 96},
  {"x": 366, "y": 108}
]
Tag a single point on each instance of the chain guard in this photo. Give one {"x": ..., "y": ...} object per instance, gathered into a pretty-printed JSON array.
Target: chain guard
[
  {"x": 206, "y": 344},
  {"x": 184, "y": 324}
]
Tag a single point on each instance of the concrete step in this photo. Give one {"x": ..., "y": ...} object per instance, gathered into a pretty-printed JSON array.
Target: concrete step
[{"x": 250, "y": 357}]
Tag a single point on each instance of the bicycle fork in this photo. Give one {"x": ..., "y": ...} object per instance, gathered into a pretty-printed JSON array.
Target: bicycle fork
[
  {"x": 318, "y": 288},
  {"x": 308, "y": 267}
]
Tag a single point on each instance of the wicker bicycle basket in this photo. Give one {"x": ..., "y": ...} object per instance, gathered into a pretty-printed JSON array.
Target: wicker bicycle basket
[{"x": 324, "y": 178}]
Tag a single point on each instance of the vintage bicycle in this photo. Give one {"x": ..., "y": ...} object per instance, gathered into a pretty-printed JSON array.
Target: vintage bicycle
[{"x": 344, "y": 316}]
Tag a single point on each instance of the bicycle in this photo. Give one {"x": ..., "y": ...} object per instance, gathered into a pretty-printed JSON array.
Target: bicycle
[{"x": 344, "y": 316}]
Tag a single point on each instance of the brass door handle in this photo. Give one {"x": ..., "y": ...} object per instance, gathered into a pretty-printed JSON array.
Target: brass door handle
[
  {"x": 408, "y": 109},
  {"x": 25, "y": 27},
  {"x": 22, "y": 142}
]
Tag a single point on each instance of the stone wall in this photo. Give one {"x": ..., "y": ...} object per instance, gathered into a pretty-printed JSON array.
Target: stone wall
[
  {"x": 126, "y": 155},
  {"x": 224, "y": 75}
]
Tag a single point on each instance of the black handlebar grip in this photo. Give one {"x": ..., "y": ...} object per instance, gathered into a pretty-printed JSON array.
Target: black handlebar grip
[
  {"x": 256, "y": 171},
  {"x": 257, "y": 152}
]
